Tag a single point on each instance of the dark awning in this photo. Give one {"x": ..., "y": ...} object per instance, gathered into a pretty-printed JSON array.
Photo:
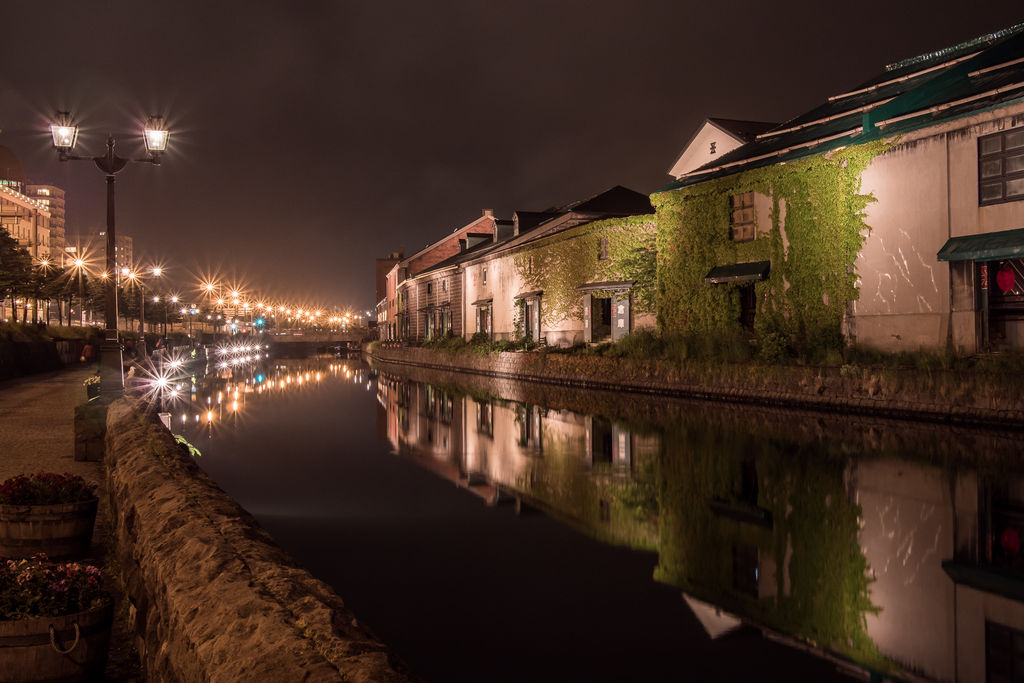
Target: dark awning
[
  {"x": 482, "y": 302},
  {"x": 990, "y": 246},
  {"x": 529, "y": 295},
  {"x": 738, "y": 272},
  {"x": 606, "y": 286}
]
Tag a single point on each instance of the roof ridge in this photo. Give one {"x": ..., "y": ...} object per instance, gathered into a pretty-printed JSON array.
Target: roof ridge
[{"x": 988, "y": 38}]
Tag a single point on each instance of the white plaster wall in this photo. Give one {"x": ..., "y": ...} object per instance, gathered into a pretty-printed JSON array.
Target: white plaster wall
[
  {"x": 904, "y": 290},
  {"x": 906, "y": 532},
  {"x": 698, "y": 152}
]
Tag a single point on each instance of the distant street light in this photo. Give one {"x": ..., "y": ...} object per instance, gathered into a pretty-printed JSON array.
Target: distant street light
[
  {"x": 65, "y": 134},
  {"x": 79, "y": 265}
]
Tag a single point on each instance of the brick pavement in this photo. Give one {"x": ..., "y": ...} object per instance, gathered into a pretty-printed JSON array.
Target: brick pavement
[
  {"x": 37, "y": 424},
  {"x": 37, "y": 415}
]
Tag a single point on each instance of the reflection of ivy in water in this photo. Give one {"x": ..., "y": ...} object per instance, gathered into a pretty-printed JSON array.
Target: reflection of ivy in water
[
  {"x": 820, "y": 590},
  {"x": 561, "y": 484}
]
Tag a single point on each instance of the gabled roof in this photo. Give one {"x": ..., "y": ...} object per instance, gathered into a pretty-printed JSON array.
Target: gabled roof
[
  {"x": 909, "y": 95},
  {"x": 528, "y": 220},
  {"x": 617, "y": 200},
  {"x": 743, "y": 130},
  {"x": 455, "y": 260}
]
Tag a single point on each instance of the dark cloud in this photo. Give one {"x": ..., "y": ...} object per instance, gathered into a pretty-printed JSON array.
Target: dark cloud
[{"x": 311, "y": 137}]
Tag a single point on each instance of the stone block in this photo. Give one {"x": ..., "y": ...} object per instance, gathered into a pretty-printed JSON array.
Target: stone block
[{"x": 90, "y": 431}]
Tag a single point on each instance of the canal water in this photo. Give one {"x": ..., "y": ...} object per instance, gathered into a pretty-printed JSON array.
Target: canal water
[{"x": 501, "y": 531}]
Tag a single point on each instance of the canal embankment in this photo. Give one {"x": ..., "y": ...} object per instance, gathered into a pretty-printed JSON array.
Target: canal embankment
[
  {"x": 957, "y": 397},
  {"x": 211, "y": 596}
]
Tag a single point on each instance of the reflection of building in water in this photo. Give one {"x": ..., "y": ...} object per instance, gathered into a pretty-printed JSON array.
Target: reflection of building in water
[
  {"x": 945, "y": 554},
  {"x": 877, "y": 559},
  {"x": 586, "y": 471}
]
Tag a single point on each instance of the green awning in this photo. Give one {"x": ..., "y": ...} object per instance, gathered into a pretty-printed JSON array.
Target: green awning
[
  {"x": 993, "y": 580},
  {"x": 990, "y": 246},
  {"x": 738, "y": 272}
]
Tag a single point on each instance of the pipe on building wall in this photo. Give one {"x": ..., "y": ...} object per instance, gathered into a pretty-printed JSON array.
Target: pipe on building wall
[{"x": 949, "y": 235}]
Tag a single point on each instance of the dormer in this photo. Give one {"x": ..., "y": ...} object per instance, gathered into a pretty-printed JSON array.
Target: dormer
[{"x": 714, "y": 139}]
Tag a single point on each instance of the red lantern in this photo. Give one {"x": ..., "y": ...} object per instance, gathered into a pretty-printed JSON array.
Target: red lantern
[{"x": 1005, "y": 279}]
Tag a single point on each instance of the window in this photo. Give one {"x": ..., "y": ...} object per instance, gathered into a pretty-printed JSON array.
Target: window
[
  {"x": 1001, "y": 167},
  {"x": 1004, "y": 653},
  {"x": 602, "y": 249},
  {"x": 748, "y": 306},
  {"x": 485, "y": 419},
  {"x": 444, "y": 285},
  {"x": 430, "y": 288},
  {"x": 713, "y": 144},
  {"x": 745, "y": 573},
  {"x": 741, "y": 219},
  {"x": 484, "y": 276}
]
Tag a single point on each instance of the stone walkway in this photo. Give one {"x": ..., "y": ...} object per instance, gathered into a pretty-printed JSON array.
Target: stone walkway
[
  {"x": 37, "y": 424},
  {"x": 37, "y": 416}
]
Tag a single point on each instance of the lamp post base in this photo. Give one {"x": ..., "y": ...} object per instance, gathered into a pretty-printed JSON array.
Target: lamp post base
[{"x": 111, "y": 370}]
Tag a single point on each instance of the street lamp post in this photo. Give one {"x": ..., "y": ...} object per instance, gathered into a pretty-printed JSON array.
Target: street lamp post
[
  {"x": 65, "y": 134},
  {"x": 79, "y": 265}
]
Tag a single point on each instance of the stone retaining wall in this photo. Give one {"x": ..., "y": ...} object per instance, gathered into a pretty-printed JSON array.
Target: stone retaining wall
[
  {"x": 935, "y": 396},
  {"x": 212, "y": 597}
]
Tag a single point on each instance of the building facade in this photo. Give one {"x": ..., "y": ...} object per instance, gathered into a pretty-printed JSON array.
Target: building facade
[
  {"x": 891, "y": 216},
  {"x": 563, "y": 274},
  {"x": 52, "y": 198},
  {"x": 26, "y": 220}
]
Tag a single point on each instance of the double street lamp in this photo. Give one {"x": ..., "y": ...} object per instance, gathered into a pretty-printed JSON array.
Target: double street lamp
[{"x": 65, "y": 134}]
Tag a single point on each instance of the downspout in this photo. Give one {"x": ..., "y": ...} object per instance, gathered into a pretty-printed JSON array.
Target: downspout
[{"x": 949, "y": 235}]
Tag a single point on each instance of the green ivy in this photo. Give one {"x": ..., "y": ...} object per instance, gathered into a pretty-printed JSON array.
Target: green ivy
[
  {"x": 561, "y": 264},
  {"x": 817, "y": 229}
]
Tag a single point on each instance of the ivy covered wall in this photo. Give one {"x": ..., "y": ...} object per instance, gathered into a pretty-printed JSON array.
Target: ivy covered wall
[
  {"x": 561, "y": 264},
  {"x": 815, "y": 229}
]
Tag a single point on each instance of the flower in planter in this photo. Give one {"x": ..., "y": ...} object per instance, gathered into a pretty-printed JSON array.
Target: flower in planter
[
  {"x": 45, "y": 488},
  {"x": 36, "y": 587},
  {"x": 91, "y": 381}
]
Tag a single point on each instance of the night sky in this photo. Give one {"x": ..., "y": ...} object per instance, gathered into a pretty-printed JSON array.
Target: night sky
[{"x": 309, "y": 138}]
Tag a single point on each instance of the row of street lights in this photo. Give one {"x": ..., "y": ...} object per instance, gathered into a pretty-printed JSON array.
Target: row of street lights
[{"x": 64, "y": 132}]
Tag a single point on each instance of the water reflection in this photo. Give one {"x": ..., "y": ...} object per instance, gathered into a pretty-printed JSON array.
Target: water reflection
[
  {"x": 892, "y": 545},
  {"x": 896, "y": 546},
  {"x": 216, "y": 393}
]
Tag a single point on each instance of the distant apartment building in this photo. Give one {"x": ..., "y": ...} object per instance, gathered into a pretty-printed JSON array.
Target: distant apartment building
[
  {"x": 22, "y": 216},
  {"x": 52, "y": 198},
  {"x": 93, "y": 247}
]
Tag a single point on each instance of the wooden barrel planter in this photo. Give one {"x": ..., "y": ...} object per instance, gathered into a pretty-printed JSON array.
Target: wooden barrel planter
[
  {"x": 51, "y": 649},
  {"x": 62, "y": 530}
]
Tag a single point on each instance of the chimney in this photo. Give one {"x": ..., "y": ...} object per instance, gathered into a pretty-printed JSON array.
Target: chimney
[{"x": 488, "y": 213}]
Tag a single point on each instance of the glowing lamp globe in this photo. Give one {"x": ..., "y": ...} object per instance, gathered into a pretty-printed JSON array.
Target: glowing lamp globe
[
  {"x": 155, "y": 135},
  {"x": 64, "y": 133}
]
